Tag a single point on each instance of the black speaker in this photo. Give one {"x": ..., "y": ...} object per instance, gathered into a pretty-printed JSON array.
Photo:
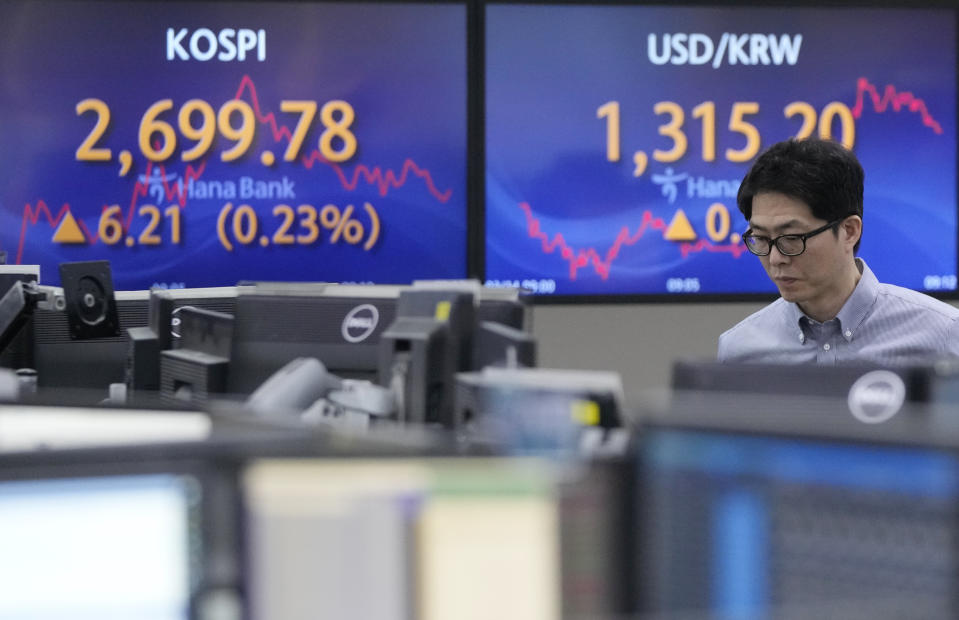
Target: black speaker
[{"x": 142, "y": 371}]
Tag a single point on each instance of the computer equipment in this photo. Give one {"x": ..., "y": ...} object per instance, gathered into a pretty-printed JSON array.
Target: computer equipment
[
  {"x": 870, "y": 393},
  {"x": 497, "y": 344},
  {"x": 714, "y": 376},
  {"x": 430, "y": 340},
  {"x": 542, "y": 410},
  {"x": 386, "y": 215},
  {"x": 629, "y": 213},
  {"x": 782, "y": 516},
  {"x": 340, "y": 325},
  {"x": 402, "y": 538},
  {"x": 596, "y": 528},
  {"x": 293, "y": 388},
  {"x": 19, "y": 352},
  {"x": 416, "y": 365},
  {"x": 62, "y": 362},
  {"x": 455, "y": 309},
  {"x": 10, "y": 274},
  {"x": 505, "y": 305},
  {"x": 119, "y": 536},
  {"x": 90, "y": 305},
  {"x": 440, "y": 330},
  {"x": 18, "y": 304},
  {"x": 142, "y": 370},
  {"x": 197, "y": 370}
]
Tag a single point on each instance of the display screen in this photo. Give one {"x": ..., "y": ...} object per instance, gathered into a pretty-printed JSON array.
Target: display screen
[
  {"x": 743, "y": 525},
  {"x": 617, "y": 137},
  {"x": 91, "y": 548},
  {"x": 199, "y": 144}
]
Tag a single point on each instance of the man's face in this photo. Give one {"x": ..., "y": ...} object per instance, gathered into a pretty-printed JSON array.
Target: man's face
[{"x": 820, "y": 275}]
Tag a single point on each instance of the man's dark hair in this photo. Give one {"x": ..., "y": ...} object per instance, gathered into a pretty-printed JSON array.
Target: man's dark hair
[{"x": 822, "y": 173}]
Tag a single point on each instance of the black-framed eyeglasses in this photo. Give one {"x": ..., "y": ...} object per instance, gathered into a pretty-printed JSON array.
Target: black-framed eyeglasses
[{"x": 788, "y": 245}]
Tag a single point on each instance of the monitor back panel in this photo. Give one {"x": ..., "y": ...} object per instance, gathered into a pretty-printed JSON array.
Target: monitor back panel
[{"x": 272, "y": 330}]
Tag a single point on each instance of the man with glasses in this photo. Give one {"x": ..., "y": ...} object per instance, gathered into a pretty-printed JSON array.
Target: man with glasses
[{"x": 803, "y": 202}]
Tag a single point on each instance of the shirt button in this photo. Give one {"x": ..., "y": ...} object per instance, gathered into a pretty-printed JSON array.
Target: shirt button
[
  {"x": 825, "y": 347},
  {"x": 848, "y": 333},
  {"x": 802, "y": 338}
]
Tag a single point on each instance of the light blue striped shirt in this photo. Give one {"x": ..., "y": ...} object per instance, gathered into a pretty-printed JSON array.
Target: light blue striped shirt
[{"x": 880, "y": 323}]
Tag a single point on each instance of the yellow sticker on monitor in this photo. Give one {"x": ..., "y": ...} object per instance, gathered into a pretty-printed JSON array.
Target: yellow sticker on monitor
[
  {"x": 585, "y": 412},
  {"x": 442, "y": 312}
]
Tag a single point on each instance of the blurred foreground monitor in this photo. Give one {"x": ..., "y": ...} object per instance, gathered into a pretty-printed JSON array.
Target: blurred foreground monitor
[
  {"x": 796, "y": 509},
  {"x": 469, "y": 538},
  {"x": 542, "y": 410},
  {"x": 152, "y": 539},
  {"x": 870, "y": 393}
]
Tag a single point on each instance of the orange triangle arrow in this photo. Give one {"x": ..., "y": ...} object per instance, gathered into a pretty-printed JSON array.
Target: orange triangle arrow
[
  {"x": 68, "y": 231},
  {"x": 679, "y": 228}
]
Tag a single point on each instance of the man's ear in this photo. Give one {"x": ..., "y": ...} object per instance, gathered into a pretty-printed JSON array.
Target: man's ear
[{"x": 852, "y": 229}]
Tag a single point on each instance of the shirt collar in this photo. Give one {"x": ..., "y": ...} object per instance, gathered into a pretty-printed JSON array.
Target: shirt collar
[
  {"x": 863, "y": 298},
  {"x": 853, "y": 312}
]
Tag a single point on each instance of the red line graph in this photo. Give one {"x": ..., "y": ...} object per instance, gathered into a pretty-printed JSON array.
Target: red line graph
[
  {"x": 891, "y": 97},
  {"x": 382, "y": 179},
  {"x": 584, "y": 257},
  {"x": 704, "y": 245},
  {"x": 32, "y": 215}
]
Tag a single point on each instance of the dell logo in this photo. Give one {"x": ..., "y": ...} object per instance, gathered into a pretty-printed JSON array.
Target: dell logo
[
  {"x": 360, "y": 322},
  {"x": 228, "y": 44},
  {"x": 876, "y": 396}
]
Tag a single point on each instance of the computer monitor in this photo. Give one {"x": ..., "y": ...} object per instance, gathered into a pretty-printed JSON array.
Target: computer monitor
[
  {"x": 107, "y": 546},
  {"x": 116, "y": 538},
  {"x": 340, "y": 325},
  {"x": 737, "y": 522},
  {"x": 640, "y": 120},
  {"x": 506, "y": 305},
  {"x": 870, "y": 393},
  {"x": 200, "y": 143},
  {"x": 403, "y": 538}
]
